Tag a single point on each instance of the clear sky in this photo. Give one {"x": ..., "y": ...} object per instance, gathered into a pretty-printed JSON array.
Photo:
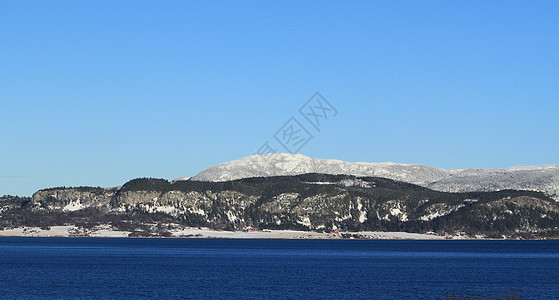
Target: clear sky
[{"x": 98, "y": 93}]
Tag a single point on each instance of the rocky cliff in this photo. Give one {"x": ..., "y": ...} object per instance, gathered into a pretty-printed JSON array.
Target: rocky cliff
[{"x": 72, "y": 199}]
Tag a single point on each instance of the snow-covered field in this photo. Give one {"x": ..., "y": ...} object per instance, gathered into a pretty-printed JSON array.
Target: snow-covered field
[
  {"x": 36, "y": 231},
  {"x": 194, "y": 232},
  {"x": 61, "y": 231}
]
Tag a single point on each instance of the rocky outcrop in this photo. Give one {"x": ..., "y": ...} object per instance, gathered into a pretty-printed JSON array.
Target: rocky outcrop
[
  {"x": 72, "y": 199},
  {"x": 126, "y": 198}
]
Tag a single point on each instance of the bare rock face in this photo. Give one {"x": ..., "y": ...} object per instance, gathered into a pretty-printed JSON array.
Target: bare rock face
[
  {"x": 72, "y": 199},
  {"x": 138, "y": 197},
  {"x": 539, "y": 178},
  {"x": 209, "y": 206}
]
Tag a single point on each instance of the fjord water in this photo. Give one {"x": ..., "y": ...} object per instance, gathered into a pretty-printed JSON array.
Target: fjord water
[{"x": 326, "y": 269}]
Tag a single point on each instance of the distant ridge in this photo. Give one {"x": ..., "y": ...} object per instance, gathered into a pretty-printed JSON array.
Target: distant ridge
[{"x": 543, "y": 178}]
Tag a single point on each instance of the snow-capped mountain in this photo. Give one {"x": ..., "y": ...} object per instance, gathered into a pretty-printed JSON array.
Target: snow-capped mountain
[{"x": 537, "y": 178}]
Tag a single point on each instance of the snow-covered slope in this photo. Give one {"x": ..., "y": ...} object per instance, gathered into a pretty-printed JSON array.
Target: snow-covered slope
[
  {"x": 277, "y": 164},
  {"x": 538, "y": 178}
]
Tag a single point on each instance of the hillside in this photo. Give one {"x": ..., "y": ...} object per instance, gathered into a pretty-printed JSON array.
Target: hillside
[{"x": 317, "y": 202}]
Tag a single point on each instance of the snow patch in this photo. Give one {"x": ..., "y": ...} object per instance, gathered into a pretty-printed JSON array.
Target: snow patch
[
  {"x": 231, "y": 216},
  {"x": 74, "y": 206},
  {"x": 439, "y": 210},
  {"x": 305, "y": 220},
  {"x": 362, "y": 213}
]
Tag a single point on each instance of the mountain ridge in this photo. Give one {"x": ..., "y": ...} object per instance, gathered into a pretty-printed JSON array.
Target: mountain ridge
[{"x": 544, "y": 178}]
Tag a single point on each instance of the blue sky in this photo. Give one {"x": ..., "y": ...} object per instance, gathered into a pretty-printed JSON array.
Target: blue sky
[{"x": 98, "y": 93}]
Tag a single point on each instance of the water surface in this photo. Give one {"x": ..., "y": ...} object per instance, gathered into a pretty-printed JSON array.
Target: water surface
[{"x": 231, "y": 268}]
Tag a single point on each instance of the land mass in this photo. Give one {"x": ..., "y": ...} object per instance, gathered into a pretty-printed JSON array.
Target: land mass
[{"x": 307, "y": 205}]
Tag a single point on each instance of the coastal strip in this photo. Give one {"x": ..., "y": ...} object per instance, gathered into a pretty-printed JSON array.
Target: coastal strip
[{"x": 202, "y": 232}]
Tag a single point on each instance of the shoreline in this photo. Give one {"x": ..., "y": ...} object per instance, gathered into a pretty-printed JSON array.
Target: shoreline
[{"x": 106, "y": 231}]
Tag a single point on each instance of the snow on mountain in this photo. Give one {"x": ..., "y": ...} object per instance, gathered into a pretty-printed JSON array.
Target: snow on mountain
[
  {"x": 185, "y": 178},
  {"x": 278, "y": 164},
  {"x": 537, "y": 178}
]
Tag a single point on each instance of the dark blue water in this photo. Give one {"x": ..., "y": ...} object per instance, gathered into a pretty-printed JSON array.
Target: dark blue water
[{"x": 321, "y": 269}]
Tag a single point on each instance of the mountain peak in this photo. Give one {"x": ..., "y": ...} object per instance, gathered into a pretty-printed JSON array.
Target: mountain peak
[{"x": 286, "y": 164}]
